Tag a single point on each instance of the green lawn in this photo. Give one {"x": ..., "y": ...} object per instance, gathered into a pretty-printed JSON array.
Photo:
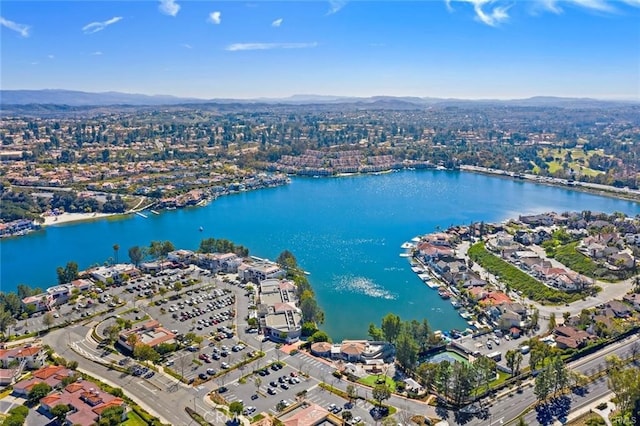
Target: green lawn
[
  {"x": 134, "y": 419},
  {"x": 579, "y": 160},
  {"x": 372, "y": 381}
]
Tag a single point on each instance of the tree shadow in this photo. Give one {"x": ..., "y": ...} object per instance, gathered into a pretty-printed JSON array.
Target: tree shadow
[{"x": 556, "y": 408}]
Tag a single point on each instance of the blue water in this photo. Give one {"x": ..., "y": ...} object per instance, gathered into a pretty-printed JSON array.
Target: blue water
[{"x": 346, "y": 232}]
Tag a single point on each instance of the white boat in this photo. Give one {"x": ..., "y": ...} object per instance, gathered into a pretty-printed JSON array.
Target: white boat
[
  {"x": 432, "y": 284},
  {"x": 417, "y": 269},
  {"x": 405, "y": 254},
  {"x": 416, "y": 239},
  {"x": 407, "y": 245},
  {"x": 424, "y": 277}
]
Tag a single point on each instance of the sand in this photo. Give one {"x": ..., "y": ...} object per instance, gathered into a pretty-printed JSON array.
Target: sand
[{"x": 72, "y": 217}]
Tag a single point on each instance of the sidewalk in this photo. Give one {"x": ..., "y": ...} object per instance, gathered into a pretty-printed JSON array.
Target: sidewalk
[
  {"x": 602, "y": 413},
  {"x": 209, "y": 402}
]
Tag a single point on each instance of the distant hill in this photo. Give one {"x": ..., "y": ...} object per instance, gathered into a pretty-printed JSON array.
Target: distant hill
[{"x": 75, "y": 98}]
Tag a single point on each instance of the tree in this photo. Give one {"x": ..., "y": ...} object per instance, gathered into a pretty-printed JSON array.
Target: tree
[
  {"x": 375, "y": 333},
  {"x": 442, "y": 377},
  {"x": 624, "y": 384},
  {"x": 136, "y": 254},
  {"x": 559, "y": 374},
  {"x": 535, "y": 317},
  {"x": 352, "y": 392},
  {"x": 319, "y": 336},
  {"x": 145, "y": 352},
  {"x": 463, "y": 381},
  {"x": 347, "y": 416},
  {"x": 116, "y": 248},
  {"x": 258, "y": 382},
  {"x": 406, "y": 351},
  {"x": 60, "y": 412},
  {"x": 381, "y": 392},
  {"x": 112, "y": 331},
  {"x": 311, "y": 312},
  {"x": 236, "y": 408},
  {"x": 543, "y": 385},
  {"x": 514, "y": 359},
  {"x": 48, "y": 320},
  {"x": 132, "y": 340},
  {"x": 111, "y": 416},
  {"x": 427, "y": 373},
  {"x": 68, "y": 273},
  {"x": 6, "y": 320},
  {"x": 552, "y": 321},
  {"x": 391, "y": 327},
  {"x": 486, "y": 370},
  {"x": 38, "y": 391},
  {"x": 287, "y": 260}
]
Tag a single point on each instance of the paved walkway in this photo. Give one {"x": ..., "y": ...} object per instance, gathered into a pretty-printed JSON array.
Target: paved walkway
[{"x": 584, "y": 410}]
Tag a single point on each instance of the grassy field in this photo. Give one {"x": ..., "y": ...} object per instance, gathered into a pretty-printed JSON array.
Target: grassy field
[
  {"x": 134, "y": 420},
  {"x": 579, "y": 160},
  {"x": 372, "y": 381}
]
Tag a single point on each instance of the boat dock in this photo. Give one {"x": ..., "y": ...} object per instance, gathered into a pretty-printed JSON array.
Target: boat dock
[
  {"x": 154, "y": 212},
  {"x": 141, "y": 215}
]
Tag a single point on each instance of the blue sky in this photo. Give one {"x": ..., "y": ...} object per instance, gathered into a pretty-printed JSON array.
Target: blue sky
[{"x": 246, "y": 49}]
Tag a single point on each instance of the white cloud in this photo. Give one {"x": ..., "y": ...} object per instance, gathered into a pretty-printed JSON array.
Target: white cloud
[
  {"x": 96, "y": 53},
  {"x": 50, "y": 56},
  {"x": 277, "y": 22},
  {"x": 169, "y": 7},
  {"x": 22, "y": 29},
  {"x": 94, "y": 27},
  {"x": 490, "y": 12},
  {"x": 187, "y": 46},
  {"x": 335, "y": 6},
  {"x": 215, "y": 17},
  {"x": 494, "y": 12},
  {"x": 268, "y": 46},
  {"x": 598, "y": 5}
]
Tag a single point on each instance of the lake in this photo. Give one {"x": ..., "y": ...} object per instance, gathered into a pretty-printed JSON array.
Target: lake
[{"x": 345, "y": 231}]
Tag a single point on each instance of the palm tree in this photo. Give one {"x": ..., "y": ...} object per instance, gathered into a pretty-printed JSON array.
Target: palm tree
[{"x": 116, "y": 247}]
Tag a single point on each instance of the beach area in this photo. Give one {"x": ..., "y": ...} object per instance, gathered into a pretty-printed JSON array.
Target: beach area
[{"x": 73, "y": 217}]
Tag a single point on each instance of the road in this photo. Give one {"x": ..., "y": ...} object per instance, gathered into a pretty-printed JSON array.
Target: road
[{"x": 508, "y": 408}]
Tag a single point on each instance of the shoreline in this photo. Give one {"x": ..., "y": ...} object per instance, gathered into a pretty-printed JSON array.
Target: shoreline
[
  {"x": 590, "y": 188},
  {"x": 74, "y": 217},
  {"x": 612, "y": 192}
]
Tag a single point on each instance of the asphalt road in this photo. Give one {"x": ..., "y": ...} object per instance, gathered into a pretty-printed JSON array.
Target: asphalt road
[{"x": 510, "y": 407}]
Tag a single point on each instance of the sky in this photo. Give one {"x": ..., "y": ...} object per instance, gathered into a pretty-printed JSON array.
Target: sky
[{"x": 470, "y": 49}]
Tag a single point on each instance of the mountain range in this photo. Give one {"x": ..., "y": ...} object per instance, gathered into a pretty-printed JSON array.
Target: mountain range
[{"x": 78, "y": 98}]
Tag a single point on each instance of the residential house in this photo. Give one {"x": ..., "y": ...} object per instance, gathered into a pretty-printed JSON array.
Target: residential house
[
  {"x": 568, "y": 337},
  {"x": 617, "y": 309},
  {"x": 633, "y": 299},
  {"x": 49, "y": 374},
  {"x": 32, "y": 356},
  {"x": 87, "y": 403}
]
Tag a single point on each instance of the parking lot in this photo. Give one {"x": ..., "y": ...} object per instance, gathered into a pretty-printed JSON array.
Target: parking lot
[{"x": 279, "y": 387}]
